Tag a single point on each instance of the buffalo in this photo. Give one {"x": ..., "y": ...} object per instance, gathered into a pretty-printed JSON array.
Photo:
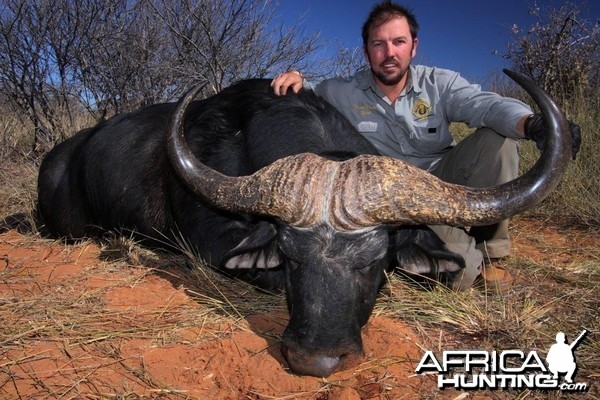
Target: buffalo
[{"x": 284, "y": 193}]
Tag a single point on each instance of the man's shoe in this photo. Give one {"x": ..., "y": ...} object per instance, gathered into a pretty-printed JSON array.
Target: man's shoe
[{"x": 495, "y": 277}]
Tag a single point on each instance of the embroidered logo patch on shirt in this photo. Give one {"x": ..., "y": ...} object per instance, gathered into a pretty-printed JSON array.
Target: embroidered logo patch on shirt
[
  {"x": 364, "y": 109},
  {"x": 421, "y": 109}
]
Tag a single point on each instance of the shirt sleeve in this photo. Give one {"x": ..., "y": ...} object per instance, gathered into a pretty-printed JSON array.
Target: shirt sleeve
[
  {"x": 334, "y": 91},
  {"x": 327, "y": 88},
  {"x": 309, "y": 85},
  {"x": 466, "y": 102}
]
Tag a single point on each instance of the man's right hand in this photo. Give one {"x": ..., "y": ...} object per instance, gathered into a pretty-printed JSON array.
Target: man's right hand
[{"x": 288, "y": 80}]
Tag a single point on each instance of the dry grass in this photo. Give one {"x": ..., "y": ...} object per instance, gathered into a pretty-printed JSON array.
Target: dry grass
[
  {"x": 80, "y": 317},
  {"x": 551, "y": 296},
  {"x": 19, "y": 189}
]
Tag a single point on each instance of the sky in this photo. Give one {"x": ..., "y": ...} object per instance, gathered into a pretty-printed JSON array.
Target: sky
[{"x": 468, "y": 36}]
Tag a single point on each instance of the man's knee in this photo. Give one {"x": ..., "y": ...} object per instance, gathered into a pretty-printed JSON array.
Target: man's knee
[
  {"x": 496, "y": 158},
  {"x": 484, "y": 158},
  {"x": 494, "y": 143}
]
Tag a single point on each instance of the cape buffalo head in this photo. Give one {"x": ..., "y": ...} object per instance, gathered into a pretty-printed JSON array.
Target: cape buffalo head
[{"x": 337, "y": 221}]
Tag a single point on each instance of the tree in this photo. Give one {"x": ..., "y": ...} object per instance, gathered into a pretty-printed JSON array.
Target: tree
[
  {"x": 121, "y": 67},
  {"x": 43, "y": 43},
  {"x": 561, "y": 52},
  {"x": 25, "y": 66},
  {"x": 221, "y": 41},
  {"x": 61, "y": 57}
]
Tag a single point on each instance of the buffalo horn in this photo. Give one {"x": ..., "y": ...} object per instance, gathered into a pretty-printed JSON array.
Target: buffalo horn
[{"x": 366, "y": 191}]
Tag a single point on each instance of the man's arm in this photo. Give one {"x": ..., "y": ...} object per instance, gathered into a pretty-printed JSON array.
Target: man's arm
[
  {"x": 288, "y": 80},
  {"x": 466, "y": 102}
]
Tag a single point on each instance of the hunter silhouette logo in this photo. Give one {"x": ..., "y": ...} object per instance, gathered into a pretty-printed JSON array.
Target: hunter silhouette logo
[
  {"x": 560, "y": 357},
  {"x": 506, "y": 369}
]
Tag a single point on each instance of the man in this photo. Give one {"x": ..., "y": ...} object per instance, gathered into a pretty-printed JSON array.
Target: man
[
  {"x": 405, "y": 110},
  {"x": 560, "y": 357}
]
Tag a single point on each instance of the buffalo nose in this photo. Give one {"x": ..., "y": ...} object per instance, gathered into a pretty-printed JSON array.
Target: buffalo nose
[{"x": 315, "y": 365}]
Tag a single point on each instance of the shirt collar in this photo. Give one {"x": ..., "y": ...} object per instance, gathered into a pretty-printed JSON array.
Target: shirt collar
[
  {"x": 365, "y": 79},
  {"x": 412, "y": 83}
]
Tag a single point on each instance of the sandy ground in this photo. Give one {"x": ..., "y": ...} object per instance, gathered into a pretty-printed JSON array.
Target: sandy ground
[
  {"x": 105, "y": 329},
  {"x": 129, "y": 346}
]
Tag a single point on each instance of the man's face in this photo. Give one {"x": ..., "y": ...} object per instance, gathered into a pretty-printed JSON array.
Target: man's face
[{"x": 390, "y": 49}]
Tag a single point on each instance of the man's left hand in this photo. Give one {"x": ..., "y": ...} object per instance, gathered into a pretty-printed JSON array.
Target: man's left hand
[{"x": 535, "y": 129}]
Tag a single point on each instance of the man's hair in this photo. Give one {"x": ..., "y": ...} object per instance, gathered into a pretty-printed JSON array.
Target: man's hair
[{"x": 385, "y": 11}]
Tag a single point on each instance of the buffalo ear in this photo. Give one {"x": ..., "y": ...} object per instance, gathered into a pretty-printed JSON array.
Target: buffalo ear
[
  {"x": 257, "y": 250},
  {"x": 419, "y": 251}
]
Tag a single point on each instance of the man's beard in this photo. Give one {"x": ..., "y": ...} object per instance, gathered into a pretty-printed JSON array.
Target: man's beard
[{"x": 389, "y": 79}]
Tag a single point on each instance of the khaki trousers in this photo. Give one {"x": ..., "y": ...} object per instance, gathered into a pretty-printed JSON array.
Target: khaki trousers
[{"x": 482, "y": 159}]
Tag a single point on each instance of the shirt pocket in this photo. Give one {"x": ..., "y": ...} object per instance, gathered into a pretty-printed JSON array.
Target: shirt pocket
[{"x": 430, "y": 135}]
